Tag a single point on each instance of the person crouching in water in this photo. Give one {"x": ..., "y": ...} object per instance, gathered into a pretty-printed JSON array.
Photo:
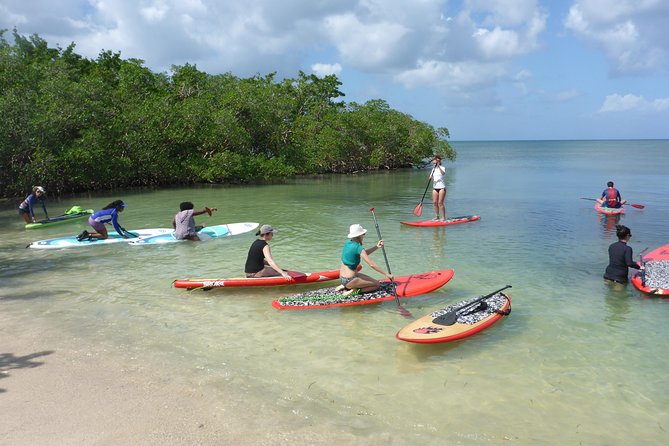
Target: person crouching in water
[
  {"x": 259, "y": 261},
  {"x": 353, "y": 282},
  {"x": 184, "y": 223},
  {"x": 620, "y": 257}
]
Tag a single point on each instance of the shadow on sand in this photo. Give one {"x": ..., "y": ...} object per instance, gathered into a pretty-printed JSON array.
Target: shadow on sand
[{"x": 8, "y": 361}]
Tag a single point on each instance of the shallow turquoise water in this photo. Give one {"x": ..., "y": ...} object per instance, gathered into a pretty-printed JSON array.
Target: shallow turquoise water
[{"x": 577, "y": 361}]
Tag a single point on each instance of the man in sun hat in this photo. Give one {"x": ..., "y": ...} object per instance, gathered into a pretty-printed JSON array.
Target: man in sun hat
[
  {"x": 353, "y": 282},
  {"x": 27, "y": 206}
]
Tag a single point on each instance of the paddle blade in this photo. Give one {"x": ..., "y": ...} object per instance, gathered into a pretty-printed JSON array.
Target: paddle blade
[
  {"x": 449, "y": 318},
  {"x": 638, "y": 206},
  {"x": 418, "y": 210}
]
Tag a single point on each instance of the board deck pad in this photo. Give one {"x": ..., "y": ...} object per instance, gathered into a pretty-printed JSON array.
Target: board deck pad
[
  {"x": 470, "y": 320},
  {"x": 447, "y": 222},
  {"x": 654, "y": 279},
  {"x": 405, "y": 286}
]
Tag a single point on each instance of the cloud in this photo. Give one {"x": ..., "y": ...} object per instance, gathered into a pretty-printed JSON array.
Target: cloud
[
  {"x": 633, "y": 33},
  {"x": 459, "y": 48},
  {"x": 322, "y": 69},
  {"x": 630, "y": 102}
]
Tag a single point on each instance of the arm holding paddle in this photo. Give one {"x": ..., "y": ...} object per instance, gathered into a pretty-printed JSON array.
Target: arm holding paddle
[{"x": 364, "y": 255}]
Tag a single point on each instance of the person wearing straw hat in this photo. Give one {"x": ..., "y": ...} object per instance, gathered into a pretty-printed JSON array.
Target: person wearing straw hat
[
  {"x": 353, "y": 282},
  {"x": 259, "y": 261},
  {"x": 27, "y": 206}
]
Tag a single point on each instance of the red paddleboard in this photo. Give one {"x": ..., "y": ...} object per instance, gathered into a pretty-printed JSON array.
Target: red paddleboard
[
  {"x": 406, "y": 286},
  {"x": 655, "y": 277},
  {"x": 608, "y": 210},
  {"x": 296, "y": 278},
  {"x": 447, "y": 222},
  {"x": 470, "y": 320}
]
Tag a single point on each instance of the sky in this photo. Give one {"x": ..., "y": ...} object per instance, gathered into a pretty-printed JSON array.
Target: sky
[{"x": 484, "y": 69}]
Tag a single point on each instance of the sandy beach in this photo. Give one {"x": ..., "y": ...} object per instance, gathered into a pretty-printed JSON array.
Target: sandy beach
[{"x": 60, "y": 391}]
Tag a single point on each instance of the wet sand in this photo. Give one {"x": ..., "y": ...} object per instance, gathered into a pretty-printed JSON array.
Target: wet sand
[{"x": 60, "y": 391}]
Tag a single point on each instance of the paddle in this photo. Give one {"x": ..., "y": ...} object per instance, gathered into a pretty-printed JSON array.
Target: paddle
[
  {"x": 404, "y": 312},
  {"x": 634, "y": 205},
  {"x": 642, "y": 270},
  {"x": 132, "y": 234},
  {"x": 418, "y": 210},
  {"x": 451, "y": 317}
]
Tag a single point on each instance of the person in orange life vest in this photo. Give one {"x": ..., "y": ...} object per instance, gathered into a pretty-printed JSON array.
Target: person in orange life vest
[{"x": 611, "y": 197}]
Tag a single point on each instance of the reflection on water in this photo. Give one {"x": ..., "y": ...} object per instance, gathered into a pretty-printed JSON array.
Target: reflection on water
[
  {"x": 609, "y": 223},
  {"x": 573, "y": 351}
]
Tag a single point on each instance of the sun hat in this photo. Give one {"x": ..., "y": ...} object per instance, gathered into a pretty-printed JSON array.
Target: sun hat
[
  {"x": 265, "y": 229},
  {"x": 356, "y": 230}
]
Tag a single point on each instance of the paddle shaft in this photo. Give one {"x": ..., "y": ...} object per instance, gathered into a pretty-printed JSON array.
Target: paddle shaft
[
  {"x": 385, "y": 257},
  {"x": 428, "y": 184},
  {"x": 634, "y": 205},
  {"x": 452, "y": 316}
]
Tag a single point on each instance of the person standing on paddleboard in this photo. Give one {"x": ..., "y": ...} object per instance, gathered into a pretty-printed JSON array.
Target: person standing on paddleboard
[
  {"x": 620, "y": 257},
  {"x": 353, "y": 282},
  {"x": 259, "y": 261},
  {"x": 108, "y": 214},
  {"x": 27, "y": 206},
  {"x": 438, "y": 189},
  {"x": 611, "y": 197},
  {"x": 184, "y": 223}
]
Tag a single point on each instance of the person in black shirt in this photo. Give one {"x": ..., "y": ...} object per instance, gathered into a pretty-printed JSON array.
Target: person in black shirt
[
  {"x": 259, "y": 262},
  {"x": 620, "y": 257}
]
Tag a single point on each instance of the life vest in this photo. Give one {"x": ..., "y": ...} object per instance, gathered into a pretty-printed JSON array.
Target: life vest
[{"x": 612, "y": 197}]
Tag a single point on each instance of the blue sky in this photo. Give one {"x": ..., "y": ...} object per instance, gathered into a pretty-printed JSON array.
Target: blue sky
[{"x": 485, "y": 69}]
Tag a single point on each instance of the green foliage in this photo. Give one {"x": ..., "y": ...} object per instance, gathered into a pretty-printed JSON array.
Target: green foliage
[{"x": 76, "y": 124}]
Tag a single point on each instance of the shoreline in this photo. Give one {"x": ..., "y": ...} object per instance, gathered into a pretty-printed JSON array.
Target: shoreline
[{"x": 59, "y": 390}]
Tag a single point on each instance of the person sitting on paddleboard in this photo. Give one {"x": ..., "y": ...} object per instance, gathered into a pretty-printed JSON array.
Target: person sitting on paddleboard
[
  {"x": 438, "y": 189},
  {"x": 353, "y": 282},
  {"x": 184, "y": 223},
  {"x": 259, "y": 261},
  {"x": 611, "y": 197},
  {"x": 620, "y": 257},
  {"x": 108, "y": 214},
  {"x": 27, "y": 206}
]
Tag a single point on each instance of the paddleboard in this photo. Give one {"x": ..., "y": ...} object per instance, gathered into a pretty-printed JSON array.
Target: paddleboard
[
  {"x": 608, "y": 210},
  {"x": 65, "y": 218},
  {"x": 654, "y": 279},
  {"x": 72, "y": 242},
  {"x": 447, "y": 222},
  {"x": 470, "y": 320},
  {"x": 296, "y": 278},
  {"x": 206, "y": 233},
  {"x": 406, "y": 286}
]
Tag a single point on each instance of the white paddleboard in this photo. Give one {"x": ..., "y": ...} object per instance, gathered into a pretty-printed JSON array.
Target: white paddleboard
[
  {"x": 72, "y": 242},
  {"x": 206, "y": 233}
]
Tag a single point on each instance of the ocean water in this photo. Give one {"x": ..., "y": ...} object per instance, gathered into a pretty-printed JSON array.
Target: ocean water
[{"x": 578, "y": 361}]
